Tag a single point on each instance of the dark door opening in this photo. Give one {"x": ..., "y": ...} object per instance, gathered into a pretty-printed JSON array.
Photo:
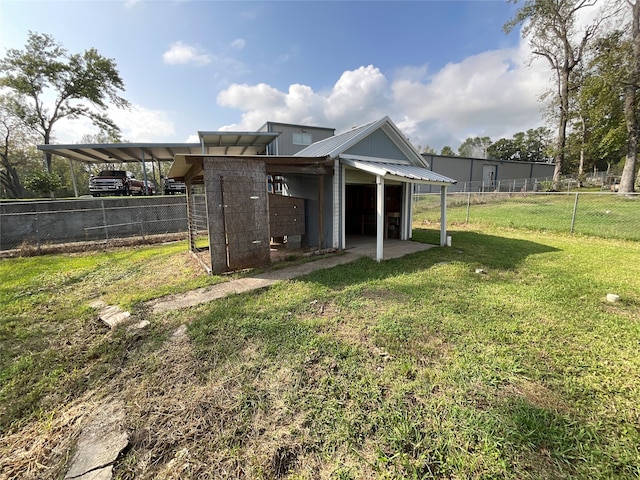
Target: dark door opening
[{"x": 360, "y": 215}]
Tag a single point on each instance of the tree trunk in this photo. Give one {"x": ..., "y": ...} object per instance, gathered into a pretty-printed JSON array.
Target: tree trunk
[
  {"x": 582, "y": 145},
  {"x": 46, "y": 156},
  {"x": 562, "y": 126},
  {"x": 631, "y": 117}
]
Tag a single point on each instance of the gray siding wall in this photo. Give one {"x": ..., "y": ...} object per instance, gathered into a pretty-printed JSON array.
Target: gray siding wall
[
  {"x": 465, "y": 169},
  {"x": 283, "y": 145},
  {"x": 378, "y": 144},
  {"x": 306, "y": 186}
]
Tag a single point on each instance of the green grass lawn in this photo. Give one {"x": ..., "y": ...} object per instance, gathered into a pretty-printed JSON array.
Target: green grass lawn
[
  {"x": 606, "y": 216},
  {"x": 417, "y": 367}
]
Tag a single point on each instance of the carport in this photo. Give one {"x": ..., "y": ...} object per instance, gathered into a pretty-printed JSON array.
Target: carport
[{"x": 211, "y": 142}]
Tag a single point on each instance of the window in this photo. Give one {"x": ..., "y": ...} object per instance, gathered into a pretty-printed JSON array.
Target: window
[{"x": 302, "y": 138}]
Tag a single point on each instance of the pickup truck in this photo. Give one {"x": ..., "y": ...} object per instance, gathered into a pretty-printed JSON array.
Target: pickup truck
[
  {"x": 115, "y": 182},
  {"x": 172, "y": 186}
]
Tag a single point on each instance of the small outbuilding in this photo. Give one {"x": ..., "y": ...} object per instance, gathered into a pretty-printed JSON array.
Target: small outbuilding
[{"x": 358, "y": 183}]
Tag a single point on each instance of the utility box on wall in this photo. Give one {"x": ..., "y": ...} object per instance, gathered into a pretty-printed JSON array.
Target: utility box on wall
[{"x": 238, "y": 213}]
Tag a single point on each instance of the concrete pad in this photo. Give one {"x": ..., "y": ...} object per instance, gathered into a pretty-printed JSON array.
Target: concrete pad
[{"x": 392, "y": 248}]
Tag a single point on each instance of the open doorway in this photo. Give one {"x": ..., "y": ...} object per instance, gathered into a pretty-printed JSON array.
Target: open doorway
[{"x": 360, "y": 214}]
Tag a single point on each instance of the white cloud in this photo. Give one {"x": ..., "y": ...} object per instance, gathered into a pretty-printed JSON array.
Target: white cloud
[
  {"x": 180, "y": 53},
  {"x": 141, "y": 124},
  {"x": 137, "y": 124},
  {"x": 491, "y": 94},
  {"x": 129, "y": 4},
  {"x": 238, "y": 44}
]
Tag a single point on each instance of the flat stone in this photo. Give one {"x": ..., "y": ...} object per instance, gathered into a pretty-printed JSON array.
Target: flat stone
[
  {"x": 99, "y": 444},
  {"x": 113, "y": 315},
  {"x": 140, "y": 325},
  {"x": 105, "y": 473}
]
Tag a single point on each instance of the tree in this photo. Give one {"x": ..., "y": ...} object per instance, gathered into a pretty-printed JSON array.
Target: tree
[
  {"x": 447, "y": 150},
  {"x": 16, "y": 151},
  {"x": 632, "y": 84},
  {"x": 599, "y": 135},
  {"x": 553, "y": 35},
  {"x": 530, "y": 146},
  {"x": 43, "y": 182},
  {"x": 44, "y": 69},
  {"x": 426, "y": 149},
  {"x": 474, "y": 147}
]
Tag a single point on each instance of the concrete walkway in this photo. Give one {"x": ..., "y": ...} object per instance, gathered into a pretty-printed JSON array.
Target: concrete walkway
[{"x": 356, "y": 248}]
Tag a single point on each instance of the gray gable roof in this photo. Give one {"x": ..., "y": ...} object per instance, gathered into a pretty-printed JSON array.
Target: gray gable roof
[
  {"x": 333, "y": 146},
  {"x": 378, "y": 147}
]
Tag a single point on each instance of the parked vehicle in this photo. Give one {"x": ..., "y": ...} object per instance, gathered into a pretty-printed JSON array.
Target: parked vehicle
[
  {"x": 151, "y": 188},
  {"x": 115, "y": 182},
  {"x": 172, "y": 186}
]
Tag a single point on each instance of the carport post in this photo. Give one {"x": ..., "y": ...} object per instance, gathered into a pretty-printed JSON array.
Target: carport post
[
  {"x": 443, "y": 215},
  {"x": 379, "y": 217},
  {"x": 144, "y": 173},
  {"x": 73, "y": 178}
]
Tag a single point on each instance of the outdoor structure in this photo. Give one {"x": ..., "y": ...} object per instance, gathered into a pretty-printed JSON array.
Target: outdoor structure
[
  {"x": 356, "y": 183},
  {"x": 485, "y": 174}
]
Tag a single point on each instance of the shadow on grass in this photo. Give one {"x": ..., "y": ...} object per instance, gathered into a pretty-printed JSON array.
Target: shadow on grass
[{"x": 476, "y": 249}]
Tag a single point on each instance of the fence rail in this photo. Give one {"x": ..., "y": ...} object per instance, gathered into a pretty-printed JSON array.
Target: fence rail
[
  {"x": 43, "y": 223},
  {"x": 600, "y": 214}
]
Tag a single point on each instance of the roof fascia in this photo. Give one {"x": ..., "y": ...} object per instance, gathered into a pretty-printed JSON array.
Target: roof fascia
[{"x": 374, "y": 159}]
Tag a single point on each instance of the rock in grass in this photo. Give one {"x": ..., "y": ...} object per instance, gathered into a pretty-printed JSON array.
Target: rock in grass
[{"x": 613, "y": 298}]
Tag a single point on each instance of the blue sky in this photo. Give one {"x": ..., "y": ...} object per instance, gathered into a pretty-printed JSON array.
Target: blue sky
[{"x": 442, "y": 70}]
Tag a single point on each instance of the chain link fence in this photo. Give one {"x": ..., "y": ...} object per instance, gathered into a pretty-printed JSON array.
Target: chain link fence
[
  {"x": 606, "y": 215},
  {"x": 39, "y": 225}
]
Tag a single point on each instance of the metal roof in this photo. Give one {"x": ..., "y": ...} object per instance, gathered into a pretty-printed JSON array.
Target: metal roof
[
  {"x": 121, "y": 152},
  {"x": 215, "y": 143},
  {"x": 237, "y": 143},
  {"x": 334, "y": 146},
  {"x": 394, "y": 171},
  {"x": 338, "y": 145}
]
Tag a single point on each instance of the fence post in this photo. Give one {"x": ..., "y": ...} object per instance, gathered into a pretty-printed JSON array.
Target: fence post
[
  {"x": 575, "y": 209},
  {"x": 104, "y": 222},
  {"x": 37, "y": 228},
  {"x": 468, "y": 206},
  {"x": 141, "y": 218}
]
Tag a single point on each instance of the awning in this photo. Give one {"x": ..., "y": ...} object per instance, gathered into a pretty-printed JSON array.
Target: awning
[
  {"x": 193, "y": 165},
  {"x": 399, "y": 172}
]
